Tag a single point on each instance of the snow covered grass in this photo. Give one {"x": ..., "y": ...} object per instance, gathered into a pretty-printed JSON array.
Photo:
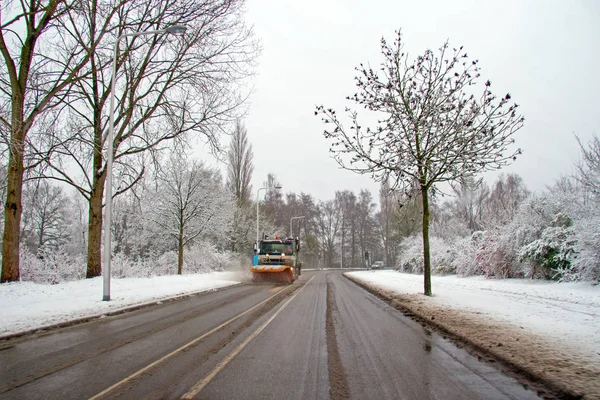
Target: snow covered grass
[
  {"x": 566, "y": 312},
  {"x": 28, "y": 305}
]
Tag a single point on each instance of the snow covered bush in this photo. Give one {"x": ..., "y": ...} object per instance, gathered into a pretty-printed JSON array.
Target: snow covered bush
[
  {"x": 51, "y": 266},
  {"x": 496, "y": 255},
  {"x": 138, "y": 267},
  {"x": 202, "y": 258},
  {"x": 553, "y": 251},
  {"x": 499, "y": 254},
  {"x": 411, "y": 255},
  {"x": 465, "y": 261},
  {"x": 205, "y": 257},
  {"x": 586, "y": 263}
]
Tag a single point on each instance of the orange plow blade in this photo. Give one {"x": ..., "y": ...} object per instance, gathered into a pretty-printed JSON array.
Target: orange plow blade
[{"x": 286, "y": 276}]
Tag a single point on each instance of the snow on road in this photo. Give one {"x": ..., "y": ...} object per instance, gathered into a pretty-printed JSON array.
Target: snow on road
[
  {"x": 561, "y": 311},
  {"x": 549, "y": 330},
  {"x": 27, "y": 306}
]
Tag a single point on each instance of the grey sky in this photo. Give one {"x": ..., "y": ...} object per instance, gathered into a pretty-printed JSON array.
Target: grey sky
[{"x": 545, "y": 53}]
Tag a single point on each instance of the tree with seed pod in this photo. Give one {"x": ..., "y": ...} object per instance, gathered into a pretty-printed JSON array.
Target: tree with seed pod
[{"x": 435, "y": 123}]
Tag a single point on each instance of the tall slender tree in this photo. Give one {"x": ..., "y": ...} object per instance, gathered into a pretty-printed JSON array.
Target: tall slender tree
[
  {"x": 239, "y": 174},
  {"x": 240, "y": 165}
]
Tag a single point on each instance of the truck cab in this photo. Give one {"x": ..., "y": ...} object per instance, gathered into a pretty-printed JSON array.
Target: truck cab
[{"x": 277, "y": 259}]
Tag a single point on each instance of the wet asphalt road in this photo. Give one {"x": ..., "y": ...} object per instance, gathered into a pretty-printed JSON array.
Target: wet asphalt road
[{"x": 322, "y": 337}]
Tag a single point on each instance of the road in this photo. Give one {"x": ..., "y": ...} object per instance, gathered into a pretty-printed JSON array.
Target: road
[{"x": 322, "y": 337}]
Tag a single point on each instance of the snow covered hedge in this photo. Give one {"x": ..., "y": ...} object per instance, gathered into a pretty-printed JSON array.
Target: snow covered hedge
[
  {"x": 52, "y": 267},
  {"x": 411, "y": 255},
  {"x": 551, "y": 237}
]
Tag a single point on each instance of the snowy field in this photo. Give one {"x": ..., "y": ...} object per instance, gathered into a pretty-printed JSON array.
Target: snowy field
[
  {"x": 27, "y": 306},
  {"x": 563, "y": 312}
]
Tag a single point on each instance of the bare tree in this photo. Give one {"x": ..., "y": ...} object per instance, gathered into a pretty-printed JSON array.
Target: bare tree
[
  {"x": 44, "y": 215},
  {"x": 432, "y": 128},
  {"x": 274, "y": 205},
  {"x": 192, "y": 203},
  {"x": 471, "y": 195},
  {"x": 406, "y": 220},
  {"x": 168, "y": 89},
  {"x": 366, "y": 222},
  {"x": 588, "y": 170},
  {"x": 503, "y": 202},
  {"x": 38, "y": 68},
  {"x": 329, "y": 224},
  {"x": 240, "y": 165},
  {"x": 387, "y": 209},
  {"x": 239, "y": 175},
  {"x": 346, "y": 201}
]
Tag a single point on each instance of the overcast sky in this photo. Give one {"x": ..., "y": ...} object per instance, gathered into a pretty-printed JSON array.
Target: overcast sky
[{"x": 545, "y": 53}]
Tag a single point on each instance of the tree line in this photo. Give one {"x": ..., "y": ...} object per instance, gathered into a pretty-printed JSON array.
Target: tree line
[
  {"x": 55, "y": 90},
  {"x": 185, "y": 217},
  {"x": 437, "y": 122}
]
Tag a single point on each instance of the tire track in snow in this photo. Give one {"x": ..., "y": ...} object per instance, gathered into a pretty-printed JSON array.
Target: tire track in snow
[{"x": 338, "y": 382}]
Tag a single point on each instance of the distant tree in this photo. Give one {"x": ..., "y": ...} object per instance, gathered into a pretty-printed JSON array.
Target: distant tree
[
  {"x": 507, "y": 193},
  {"x": 44, "y": 216},
  {"x": 329, "y": 224},
  {"x": 387, "y": 235},
  {"x": 432, "y": 128},
  {"x": 191, "y": 203},
  {"x": 366, "y": 223},
  {"x": 308, "y": 232},
  {"x": 240, "y": 165},
  {"x": 588, "y": 170},
  {"x": 346, "y": 201},
  {"x": 239, "y": 175},
  {"x": 471, "y": 195},
  {"x": 274, "y": 204},
  {"x": 406, "y": 220}
]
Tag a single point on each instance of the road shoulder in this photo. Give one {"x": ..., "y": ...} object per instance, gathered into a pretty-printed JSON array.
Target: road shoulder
[{"x": 539, "y": 359}]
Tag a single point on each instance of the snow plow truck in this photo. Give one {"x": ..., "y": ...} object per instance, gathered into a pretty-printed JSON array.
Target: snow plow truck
[{"x": 276, "y": 260}]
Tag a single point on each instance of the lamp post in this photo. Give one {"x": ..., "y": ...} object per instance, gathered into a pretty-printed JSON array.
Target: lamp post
[
  {"x": 291, "y": 219},
  {"x": 109, "y": 157},
  {"x": 257, "y": 201}
]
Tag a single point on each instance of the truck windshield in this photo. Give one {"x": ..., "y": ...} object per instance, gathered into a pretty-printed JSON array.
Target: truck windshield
[{"x": 276, "y": 248}]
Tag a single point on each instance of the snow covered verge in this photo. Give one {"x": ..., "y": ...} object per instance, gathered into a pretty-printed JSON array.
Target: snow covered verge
[
  {"x": 30, "y": 306},
  {"x": 549, "y": 330}
]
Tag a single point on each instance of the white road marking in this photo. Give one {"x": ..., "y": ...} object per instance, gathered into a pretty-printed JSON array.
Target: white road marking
[
  {"x": 193, "y": 342},
  {"x": 219, "y": 367}
]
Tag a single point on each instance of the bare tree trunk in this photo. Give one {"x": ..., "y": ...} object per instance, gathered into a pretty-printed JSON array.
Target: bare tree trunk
[
  {"x": 426, "y": 258},
  {"x": 94, "y": 266},
  {"x": 353, "y": 262},
  {"x": 180, "y": 251},
  {"x": 14, "y": 190},
  {"x": 94, "y": 258}
]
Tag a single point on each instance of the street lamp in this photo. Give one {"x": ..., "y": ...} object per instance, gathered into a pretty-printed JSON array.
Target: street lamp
[
  {"x": 291, "y": 219},
  {"x": 257, "y": 201},
  {"x": 109, "y": 158}
]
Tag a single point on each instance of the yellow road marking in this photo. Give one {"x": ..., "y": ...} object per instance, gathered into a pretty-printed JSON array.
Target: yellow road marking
[
  {"x": 219, "y": 367},
  {"x": 185, "y": 346}
]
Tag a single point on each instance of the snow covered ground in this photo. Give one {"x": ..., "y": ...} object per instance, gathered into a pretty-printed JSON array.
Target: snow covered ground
[
  {"x": 27, "y": 306},
  {"x": 562, "y": 311}
]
